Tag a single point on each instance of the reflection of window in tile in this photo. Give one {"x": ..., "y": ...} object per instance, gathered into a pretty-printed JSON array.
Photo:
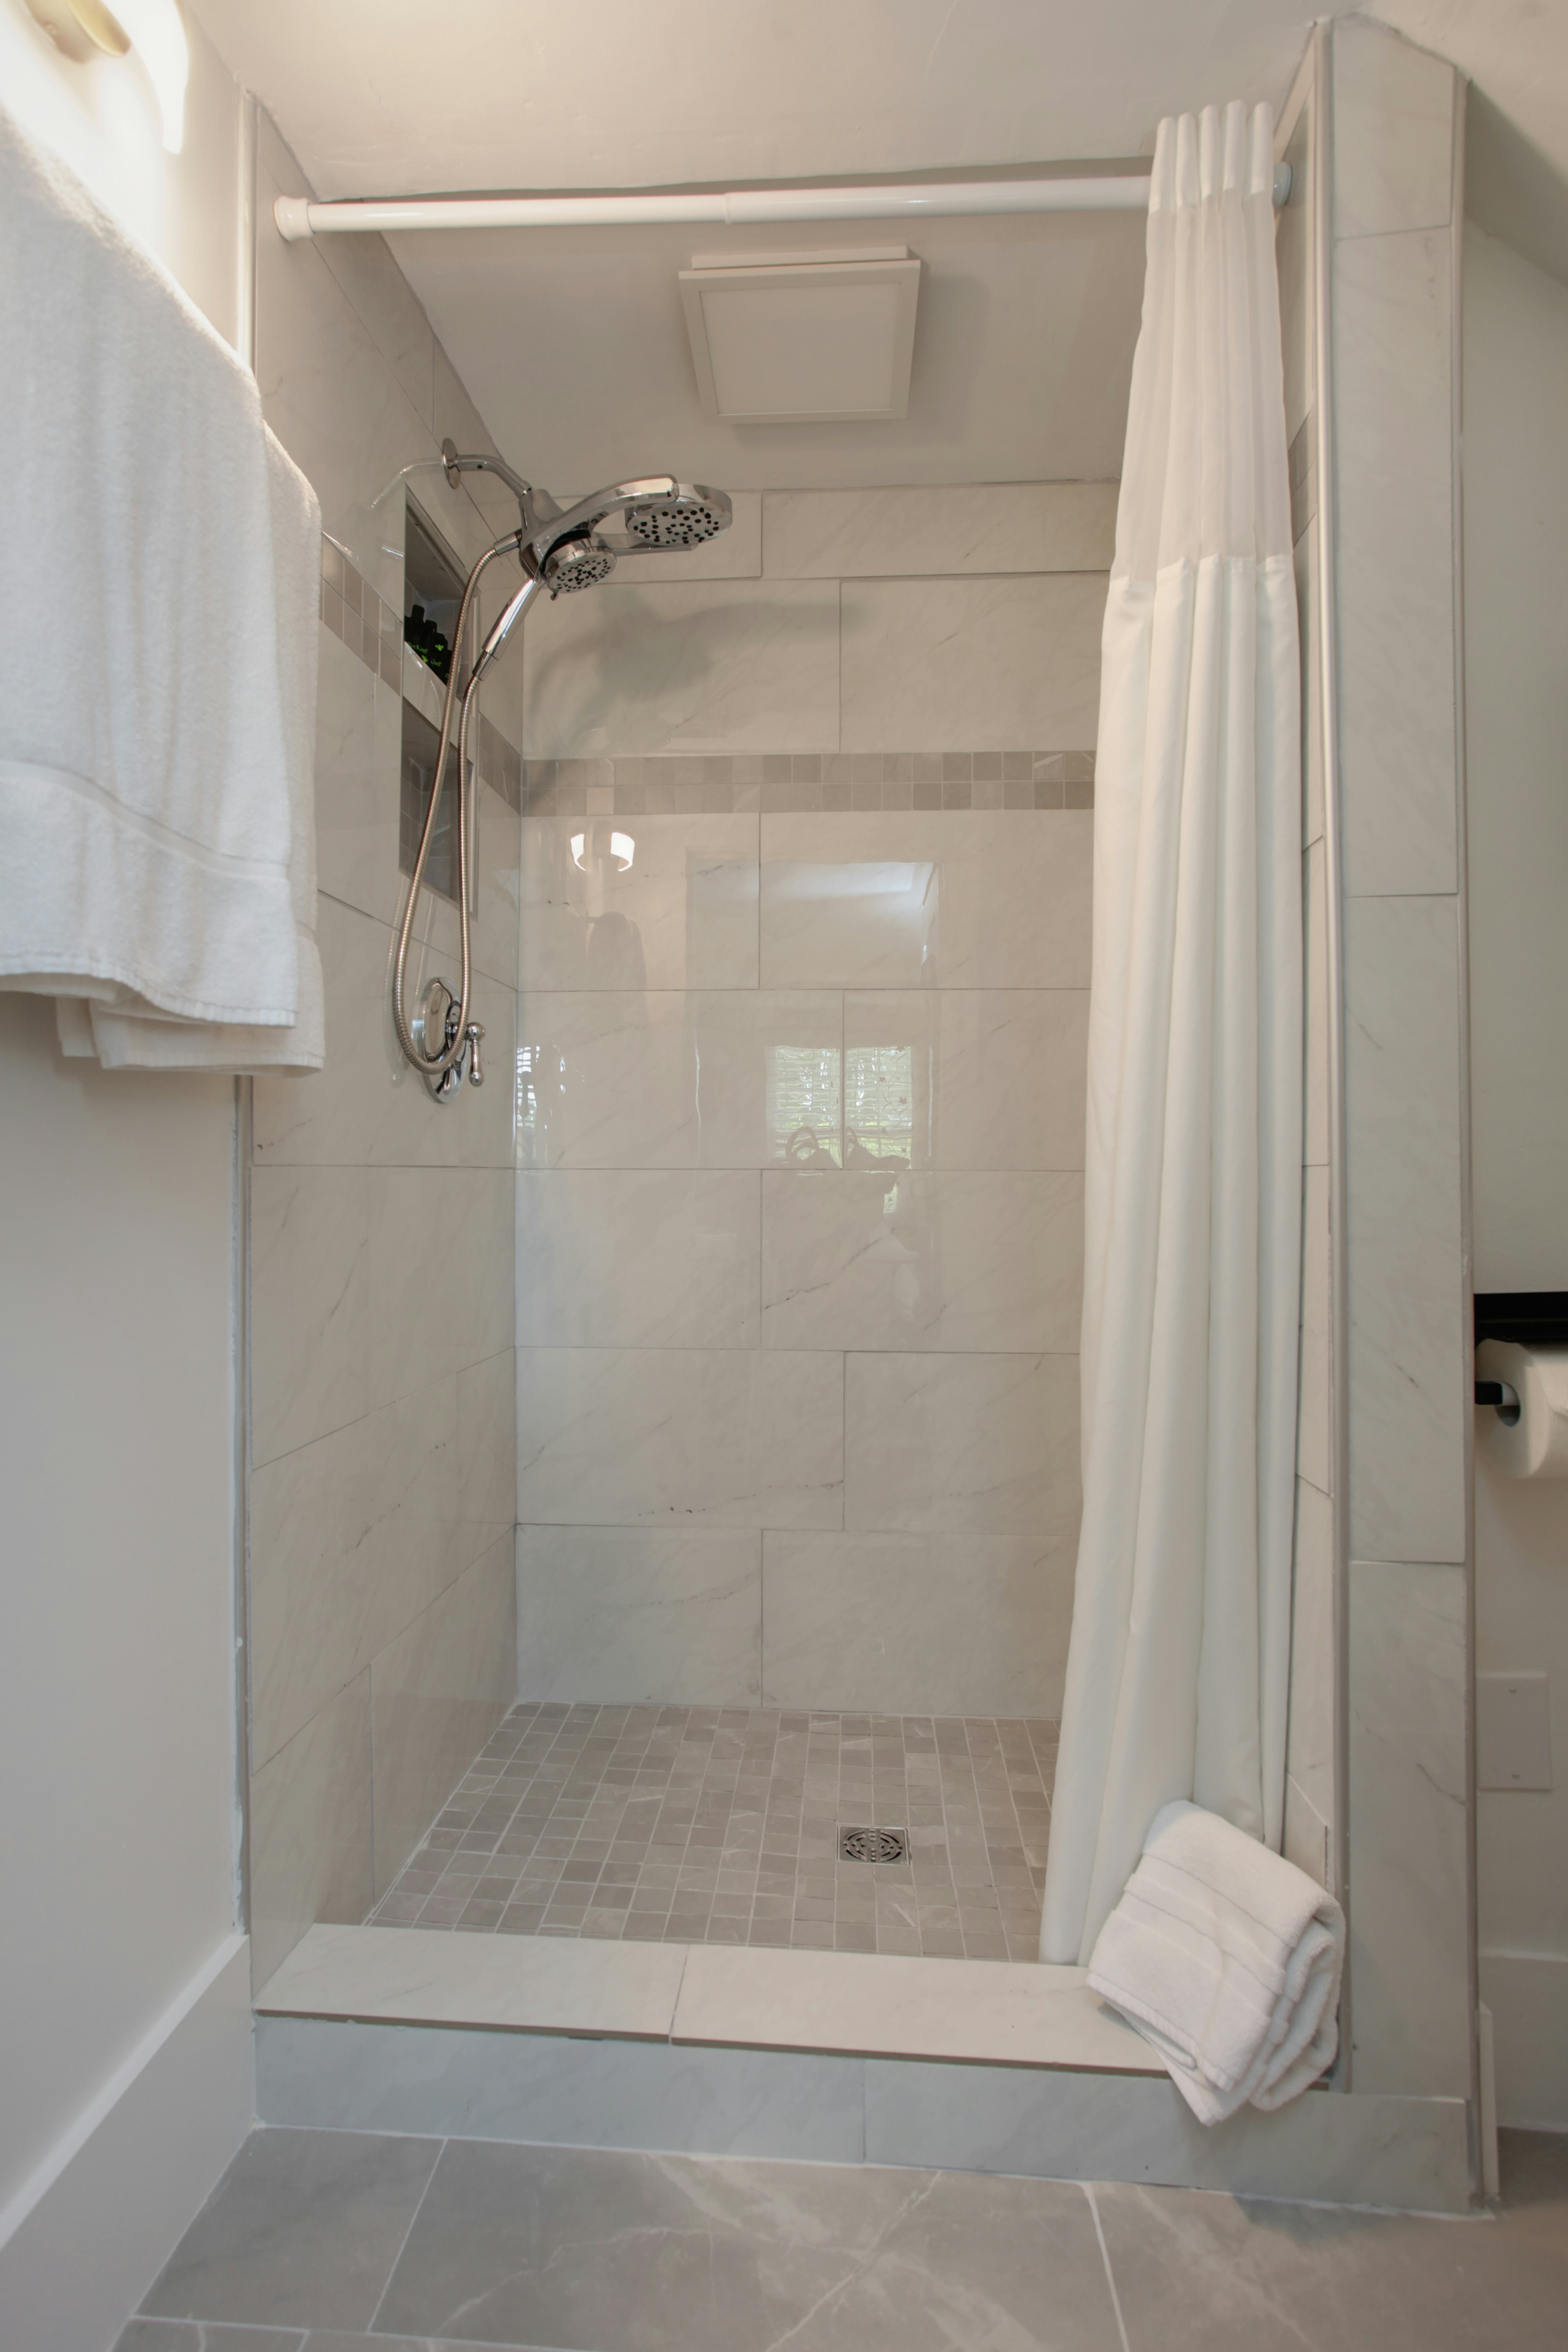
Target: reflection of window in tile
[
  {"x": 804, "y": 1105},
  {"x": 541, "y": 1105},
  {"x": 880, "y": 1105}
]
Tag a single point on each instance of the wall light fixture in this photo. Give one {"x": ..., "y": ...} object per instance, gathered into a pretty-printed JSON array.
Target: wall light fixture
[{"x": 83, "y": 30}]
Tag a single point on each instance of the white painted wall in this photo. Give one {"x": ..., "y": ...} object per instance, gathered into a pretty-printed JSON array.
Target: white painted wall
[
  {"x": 1516, "y": 679},
  {"x": 118, "y": 1840}
]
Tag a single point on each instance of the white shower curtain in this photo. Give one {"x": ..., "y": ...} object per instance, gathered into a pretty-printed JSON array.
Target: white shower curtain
[{"x": 1178, "y": 1670}]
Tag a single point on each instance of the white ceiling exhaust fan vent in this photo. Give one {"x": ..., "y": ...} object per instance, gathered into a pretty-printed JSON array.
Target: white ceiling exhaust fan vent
[{"x": 803, "y": 338}]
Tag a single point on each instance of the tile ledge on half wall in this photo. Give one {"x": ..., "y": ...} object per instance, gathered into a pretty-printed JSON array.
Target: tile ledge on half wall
[{"x": 983, "y": 2012}]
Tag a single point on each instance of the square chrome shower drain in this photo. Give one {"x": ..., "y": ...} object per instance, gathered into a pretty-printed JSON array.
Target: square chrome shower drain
[{"x": 873, "y": 1845}]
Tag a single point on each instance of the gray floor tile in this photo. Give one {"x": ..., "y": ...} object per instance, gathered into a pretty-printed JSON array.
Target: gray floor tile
[
  {"x": 196, "y": 2335},
  {"x": 596, "y": 2252},
  {"x": 302, "y": 2232},
  {"x": 331, "y": 2340},
  {"x": 1198, "y": 2273}
]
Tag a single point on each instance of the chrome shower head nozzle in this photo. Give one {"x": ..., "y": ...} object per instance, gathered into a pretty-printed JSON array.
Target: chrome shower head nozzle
[
  {"x": 576, "y": 563},
  {"x": 685, "y": 519}
]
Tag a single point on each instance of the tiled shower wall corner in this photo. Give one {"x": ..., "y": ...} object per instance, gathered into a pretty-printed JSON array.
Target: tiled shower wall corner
[
  {"x": 1312, "y": 1796},
  {"x": 382, "y": 1593},
  {"x": 803, "y": 1018}
]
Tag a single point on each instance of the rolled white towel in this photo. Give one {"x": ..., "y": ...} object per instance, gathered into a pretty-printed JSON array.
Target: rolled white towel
[{"x": 1228, "y": 1958}]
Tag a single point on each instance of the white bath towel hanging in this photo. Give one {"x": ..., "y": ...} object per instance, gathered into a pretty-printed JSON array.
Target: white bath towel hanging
[
  {"x": 1228, "y": 1958},
  {"x": 1178, "y": 1667},
  {"x": 153, "y": 616}
]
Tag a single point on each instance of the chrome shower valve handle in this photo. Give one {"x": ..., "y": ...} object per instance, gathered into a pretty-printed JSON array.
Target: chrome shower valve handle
[{"x": 437, "y": 1026}]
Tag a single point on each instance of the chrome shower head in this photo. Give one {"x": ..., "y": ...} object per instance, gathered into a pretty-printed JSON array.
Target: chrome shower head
[
  {"x": 576, "y": 563},
  {"x": 693, "y": 515},
  {"x": 642, "y": 518}
]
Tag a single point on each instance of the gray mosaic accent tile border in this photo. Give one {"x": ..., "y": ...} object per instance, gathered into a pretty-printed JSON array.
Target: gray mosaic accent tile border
[
  {"x": 369, "y": 628},
  {"x": 835, "y": 782},
  {"x": 353, "y": 612}
]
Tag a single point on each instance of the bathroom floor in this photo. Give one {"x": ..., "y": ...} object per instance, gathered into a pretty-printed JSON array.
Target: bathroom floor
[
  {"x": 328, "y": 2241},
  {"x": 722, "y": 1825}
]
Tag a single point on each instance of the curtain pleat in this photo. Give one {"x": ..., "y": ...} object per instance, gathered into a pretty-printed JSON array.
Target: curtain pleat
[{"x": 1178, "y": 1669}]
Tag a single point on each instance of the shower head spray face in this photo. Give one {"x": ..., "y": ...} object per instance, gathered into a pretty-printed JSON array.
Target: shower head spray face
[
  {"x": 693, "y": 515},
  {"x": 576, "y": 563}
]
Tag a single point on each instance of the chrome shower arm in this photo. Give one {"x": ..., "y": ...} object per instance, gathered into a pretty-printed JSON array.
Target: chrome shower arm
[
  {"x": 589, "y": 513},
  {"x": 536, "y": 506}
]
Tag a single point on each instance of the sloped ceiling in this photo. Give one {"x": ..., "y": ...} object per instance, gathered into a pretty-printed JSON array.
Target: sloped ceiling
[
  {"x": 382, "y": 95},
  {"x": 1516, "y": 52},
  {"x": 572, "y": 342}
]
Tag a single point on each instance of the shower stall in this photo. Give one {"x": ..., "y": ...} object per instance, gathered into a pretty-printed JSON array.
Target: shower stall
[{"x": 664, "y": 1456}]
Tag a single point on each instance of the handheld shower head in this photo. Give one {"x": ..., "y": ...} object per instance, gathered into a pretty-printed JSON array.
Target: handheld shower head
[
  {"x": 574, "y": 563},
  {"x": 638, "y": 518}
]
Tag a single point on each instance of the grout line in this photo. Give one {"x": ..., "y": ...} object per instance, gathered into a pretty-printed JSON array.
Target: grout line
[
  {"x": 1088, "y": 2187},
  {"x": 402, "y": 2249}
]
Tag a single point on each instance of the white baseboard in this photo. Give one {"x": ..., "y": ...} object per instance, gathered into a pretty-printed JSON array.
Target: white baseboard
[
  {"x": 92, "y": 2225},
  {"x": 1527, "y": 1993}
]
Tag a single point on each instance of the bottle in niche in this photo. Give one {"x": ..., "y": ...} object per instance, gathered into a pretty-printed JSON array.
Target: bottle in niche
[{"x": 420, "y": 632}]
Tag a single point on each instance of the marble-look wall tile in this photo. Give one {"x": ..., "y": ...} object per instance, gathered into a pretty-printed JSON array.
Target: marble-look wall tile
[
  {"x": 640, "y": 1616},
  {"x": 358, "y": 737},
  {"x": 1311, "y": 1745},
  {"x": 984, "y": 527},
  {"x": 441, "y": 1269},
  {"x": 1295, "y": 259},
  {"x": 684, "y": 914},
  {"x": 734, "y": 666},
  {"x": 1308, "y": 561},
  {"x": 329, "y": 396},
  {"x": 1317, "y": 1008},
  {"x": 310, "y": 1304},
  {"x": 368, "y": 1107},
  {"x": 487, "y": 1452},
  {"x": 916, "y": 1624},
  {"x": 990, "y": 899},
  {"x": 985, "y": 663},
  {"x": 641, "y": 1436},
  {"x": 383, "y": 1425},
  {"x": 993, "y": 1077},
  {"x": 498, "y": 852},
  {"x": 956, "y": 1445},
  {"x": 1394, "y": 133},
  {"x": 370, "y": 281},
  {"x": 722, "y": 1078},
  {"x": 612, "y": 1258},
  {"x": 1394, "y": 391},
  {"x": 955, "y": 1261},
  {"x": 349, "y": 1538},
  {"x": 1409, "y": 1839},
  {"x": 1407, "y": 1287},
  {"x": 438, "y": 1692},
  {"x": 310, "y": 1829},
  {"x": 1314, "y": 1428}
]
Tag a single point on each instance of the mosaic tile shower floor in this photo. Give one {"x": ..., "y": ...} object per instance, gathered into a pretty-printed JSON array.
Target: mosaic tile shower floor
[{"x": 721, "y": 1826}]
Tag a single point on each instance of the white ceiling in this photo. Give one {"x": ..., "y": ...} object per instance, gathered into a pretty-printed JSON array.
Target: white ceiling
[
  {"x": 572, "y": 342},
  {"x": 379, "y": 97},
  {"x": 573, "y": 345}
]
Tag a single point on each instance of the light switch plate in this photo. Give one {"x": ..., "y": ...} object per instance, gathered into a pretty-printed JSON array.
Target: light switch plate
[{"x": 1514, "y": 1731}]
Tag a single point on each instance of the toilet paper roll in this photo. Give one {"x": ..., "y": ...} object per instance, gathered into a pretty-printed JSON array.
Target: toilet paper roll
[{"x": 1536, "y": 1446}]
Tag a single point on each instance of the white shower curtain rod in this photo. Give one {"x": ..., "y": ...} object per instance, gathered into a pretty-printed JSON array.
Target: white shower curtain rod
[{"x": 300, "y": 217}]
